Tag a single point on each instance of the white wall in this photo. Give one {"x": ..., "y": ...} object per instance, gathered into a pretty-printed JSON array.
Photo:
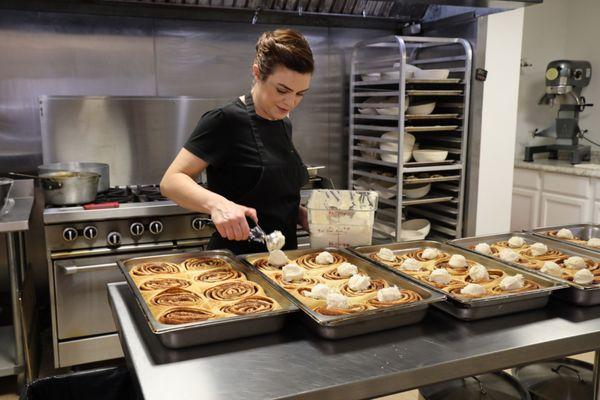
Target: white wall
[
  {"x": 499, "y": 120},
  {"x": 553, "y": 30}
]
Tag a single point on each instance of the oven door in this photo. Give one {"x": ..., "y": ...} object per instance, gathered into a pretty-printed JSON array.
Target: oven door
[{"x": 81, "y": 302}]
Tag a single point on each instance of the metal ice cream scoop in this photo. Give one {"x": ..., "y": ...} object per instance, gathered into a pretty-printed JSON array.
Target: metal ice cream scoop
[{"x": 274, "y": 240}]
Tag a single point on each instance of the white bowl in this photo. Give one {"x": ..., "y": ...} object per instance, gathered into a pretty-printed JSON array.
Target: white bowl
[
  {"x": 368, "y": 110},
  {"x": 393, "y": 158},
  {"x": 375, "y": 76},
  {"x": 430, "y": 155},
  {"x": 421, "y": 109},
  {"x": 432, "y": 74},
  {"x": 409, "y": 72},
  {"x": 409, "y": 140},
  {"x": 394, "y": 111},
  {"x": 416, "y": 191},
  {"x": 415, "y": 229}
]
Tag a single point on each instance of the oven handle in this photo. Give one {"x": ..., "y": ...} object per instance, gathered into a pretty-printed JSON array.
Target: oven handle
[{"x": 72, "y": 269}]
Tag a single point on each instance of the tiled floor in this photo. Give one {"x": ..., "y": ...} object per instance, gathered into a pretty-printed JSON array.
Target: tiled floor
[{"x": 8, "y": 387}]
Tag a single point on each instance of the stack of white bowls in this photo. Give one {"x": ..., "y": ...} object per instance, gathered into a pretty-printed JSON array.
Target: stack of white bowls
[{"x": 409, "y": 144}]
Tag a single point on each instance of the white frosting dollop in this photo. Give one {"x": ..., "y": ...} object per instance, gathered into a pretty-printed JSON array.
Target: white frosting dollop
[
  {"x": 431, "y": 253},
  {"x": 276, "y": 241},
  {"x": 594, "y": 242},
  {"x": 583, "y": 277},
  {"x": 319, "y": 291},
  {"x": 292, "y": 273},
  {"x": 509, "y": 255},
  {"x": 483, "y": 248},
  {"x": 336, "y": 300},
  {"x": 575, "y": 262},
  {"x": 538, "y": 249},
  {"x": 512, "y": 282},
  {"x": 359, "y": 282},
  {"x": 410, "y": 264},
  {"x": 457, "y": 261},
  {"x": 278, "y": 258},
  {"x": 516, "y": 242},
  {"x": 386, "y": 254},
  {"x": 346, "y": 269},
  {"x": 564, "y": 233},
  {"x": 440, "y": 276},
  {"x": 473, "y": 289},
  {"x": 479, "y": 273},
  {"x": 391, "y": 293},
  {"x": 324, "y": 258},
  {"x": 552, "y": 268}
]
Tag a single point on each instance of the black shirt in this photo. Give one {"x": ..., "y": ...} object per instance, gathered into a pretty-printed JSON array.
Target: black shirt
[{"x": 223, "y": 138}]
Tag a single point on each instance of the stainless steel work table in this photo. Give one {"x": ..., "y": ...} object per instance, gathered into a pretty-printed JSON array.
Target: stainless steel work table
[
  {"x": 12, "y": 225},
  {"x": 297, "y": 364}
]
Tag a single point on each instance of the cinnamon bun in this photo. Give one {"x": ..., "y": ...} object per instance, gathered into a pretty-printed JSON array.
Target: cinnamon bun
[
  {"x": 175, "y": 297},
  {"x": 164, "y": 283},
  {"x": 154, "y": 268},
  {"x": 184, "y": 315},
  {"x": 219, "y": 275},
  {"x": 202, "y": 263},
  {"x": 406, "y": 296},
  {"x": 231, "y": 291},
  {"x": 376, "y": 284},
  {"x": 309, "y": 261},
  {"x": 249, "y": 305}
]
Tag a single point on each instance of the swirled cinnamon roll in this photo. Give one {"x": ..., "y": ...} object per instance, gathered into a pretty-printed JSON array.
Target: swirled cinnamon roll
[
  {"x": 219, "y": 274},
  {"x": 164, "y": 283},
  {"x": 418, "y": 255},
  {"x": 554, "y": 234},
  {"x": 250, "y": 305},
  {"x": 154, "y": 268},
  {"x": 184, "y": 315},
  {"x": 406, "y": 296},
  {"x": 333, "y": 275},
  {"x": 551, "y": 255},
  {"x": 527, "y": 286},
  {"x": 202, "y": 263},
  {"x": 264, "y": 265},
  {"x": 393, "y": 264},
  {"x": 229, "y": 291},
  {"x": 376, "y": 284},
  {"x": 334, "y": 312},
  {"x": 306, "y": 281},
  {"x": 494, "y": 274},
  {"x": 175, "y": 297},
  {"x": 309, "y": 261}
]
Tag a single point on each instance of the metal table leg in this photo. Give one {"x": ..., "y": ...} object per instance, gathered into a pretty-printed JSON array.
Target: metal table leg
[
  {"x": 12, "y": 245},
  {"x": 597, "y": 375}
]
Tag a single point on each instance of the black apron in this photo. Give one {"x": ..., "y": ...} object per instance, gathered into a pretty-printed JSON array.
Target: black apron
[{"x": 276, "y": 195}]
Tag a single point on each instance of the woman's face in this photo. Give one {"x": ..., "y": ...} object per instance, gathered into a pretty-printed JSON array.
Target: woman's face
[{"x": 281, "y": 92}]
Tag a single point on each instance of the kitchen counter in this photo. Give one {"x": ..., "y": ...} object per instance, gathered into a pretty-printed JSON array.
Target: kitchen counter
[
  {"x": 18, "y": 217},
  {"x": 559, "y": 166},
  {"x": 295, "y": 363}
]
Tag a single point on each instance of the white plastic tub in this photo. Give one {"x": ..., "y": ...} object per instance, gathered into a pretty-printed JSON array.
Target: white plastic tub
[{"x": 341, "y": 218}]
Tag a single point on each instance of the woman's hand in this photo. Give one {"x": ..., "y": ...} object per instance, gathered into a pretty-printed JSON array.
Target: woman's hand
[
  {"x": 303, "y": 218},
  {"x": 230, "y": 219}
]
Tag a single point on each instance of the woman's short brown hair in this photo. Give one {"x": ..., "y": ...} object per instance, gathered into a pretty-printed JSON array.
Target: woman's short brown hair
[{"x": 285, "y": 47}]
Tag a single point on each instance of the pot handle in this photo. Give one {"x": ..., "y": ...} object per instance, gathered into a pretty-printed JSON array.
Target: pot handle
[{"x": 558, "y": 367}]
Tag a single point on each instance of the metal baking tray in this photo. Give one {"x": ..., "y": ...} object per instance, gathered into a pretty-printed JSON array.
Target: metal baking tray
[
  {"x": 430, "y": 128},
  {"x": 472, "y": 309},
  {"x": 177, "y": 336},
  {"x": 337, "y": 327},
  {"x": 583, "y": 231},
  {"x": 587, "y": 295}
]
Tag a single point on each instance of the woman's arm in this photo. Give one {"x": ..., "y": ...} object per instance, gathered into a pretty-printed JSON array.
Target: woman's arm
[{"x": 179, "y": 184}]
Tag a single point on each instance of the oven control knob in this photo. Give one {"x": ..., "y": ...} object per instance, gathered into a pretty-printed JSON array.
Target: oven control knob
[
  {"x": 136, "y": 229},
  {"x": 155, "y": 227},
  {"x": 199, "y": 223},
  {"x": 114, "y": 238},
  {"x": 90, "y": 232},
  {"x": 70, "y": 234}
]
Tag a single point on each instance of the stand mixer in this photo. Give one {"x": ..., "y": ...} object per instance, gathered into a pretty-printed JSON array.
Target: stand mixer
[{"x": 565, "y": 79}]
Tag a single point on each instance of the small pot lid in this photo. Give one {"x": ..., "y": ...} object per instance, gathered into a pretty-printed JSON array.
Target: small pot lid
[
  {"x": 562, "y": 379},
  {"x": 494, "y": 386}
]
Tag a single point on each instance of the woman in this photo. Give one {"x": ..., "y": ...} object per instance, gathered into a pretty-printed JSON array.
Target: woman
[{"x": 246, "y": 148}]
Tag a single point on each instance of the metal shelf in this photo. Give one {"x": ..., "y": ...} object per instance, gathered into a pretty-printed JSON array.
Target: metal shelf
[{"x": 444, "y": 205}]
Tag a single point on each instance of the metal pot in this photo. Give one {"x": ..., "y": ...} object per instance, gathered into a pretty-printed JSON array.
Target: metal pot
[
  {"x": 563, "y": 379},
  {"x": 495, "y": 385},
  {"x": 102, "y": 169},
  {"x": 65, "y": 188}
]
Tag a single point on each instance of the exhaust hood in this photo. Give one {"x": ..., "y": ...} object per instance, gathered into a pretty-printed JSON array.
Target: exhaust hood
[{"x": 382, "y": 14}]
